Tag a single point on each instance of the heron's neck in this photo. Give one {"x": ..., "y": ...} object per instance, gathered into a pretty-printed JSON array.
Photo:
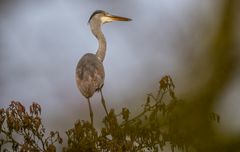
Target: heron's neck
[{"x": 96, "y": 30}]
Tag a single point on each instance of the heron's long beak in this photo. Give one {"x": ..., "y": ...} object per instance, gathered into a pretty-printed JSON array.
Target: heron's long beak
[
  {"x": 110, "y": 18},
  {"x": 119, "y": 18}
]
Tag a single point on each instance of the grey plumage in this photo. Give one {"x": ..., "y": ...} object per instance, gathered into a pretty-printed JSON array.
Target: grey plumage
[
  {"x": 90, "y": 71},
  {"x": 89, "y": 74}
]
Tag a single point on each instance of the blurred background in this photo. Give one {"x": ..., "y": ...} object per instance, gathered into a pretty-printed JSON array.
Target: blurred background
[{"x": 42, "y": 41}]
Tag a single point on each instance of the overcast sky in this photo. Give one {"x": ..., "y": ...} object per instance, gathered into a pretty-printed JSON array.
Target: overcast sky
[{"x": 41, "y": 43}]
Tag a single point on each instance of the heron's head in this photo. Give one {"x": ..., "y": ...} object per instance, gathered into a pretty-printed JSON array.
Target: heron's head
[{"x": 105, "y": 17}]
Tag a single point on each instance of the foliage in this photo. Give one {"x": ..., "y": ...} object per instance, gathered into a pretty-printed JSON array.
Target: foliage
[
  {"x": 151, "y": 130},
  {"x": 23, "y": 131}
]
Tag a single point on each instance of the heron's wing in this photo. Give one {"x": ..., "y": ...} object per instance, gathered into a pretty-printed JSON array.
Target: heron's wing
[{"x": 89, "y": 74}]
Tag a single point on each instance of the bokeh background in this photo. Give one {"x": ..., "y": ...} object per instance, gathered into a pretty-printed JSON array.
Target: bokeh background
[{"x": 42, "y": 41}]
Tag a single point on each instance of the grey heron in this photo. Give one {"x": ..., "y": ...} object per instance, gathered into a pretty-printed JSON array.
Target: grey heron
[{"x": 90, "y": 70}]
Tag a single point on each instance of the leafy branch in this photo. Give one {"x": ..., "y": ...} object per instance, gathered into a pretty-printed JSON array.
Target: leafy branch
[
  {"x": 24, "y": 131},
  {"x": 150, "y": 130}
]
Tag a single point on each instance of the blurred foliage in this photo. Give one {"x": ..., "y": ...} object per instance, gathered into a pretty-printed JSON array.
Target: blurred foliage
[
  {"x": 151, "y": 130},
  {"x": 23, "y": 131}
]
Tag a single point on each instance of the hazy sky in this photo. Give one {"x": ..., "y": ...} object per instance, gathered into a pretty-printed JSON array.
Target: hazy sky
[{"x": 41, "y": 43}]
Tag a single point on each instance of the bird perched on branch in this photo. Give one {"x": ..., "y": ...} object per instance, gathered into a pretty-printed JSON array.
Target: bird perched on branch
[{"x": 90, "y": 71}]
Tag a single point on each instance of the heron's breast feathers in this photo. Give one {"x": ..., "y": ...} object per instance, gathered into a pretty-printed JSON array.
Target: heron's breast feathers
[{"x": 89, "y": 74}]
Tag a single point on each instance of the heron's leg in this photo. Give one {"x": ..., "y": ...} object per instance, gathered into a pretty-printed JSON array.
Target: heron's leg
[
  {"x": 90, "y": 110},
  {"x": 103, "y": 102}
]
